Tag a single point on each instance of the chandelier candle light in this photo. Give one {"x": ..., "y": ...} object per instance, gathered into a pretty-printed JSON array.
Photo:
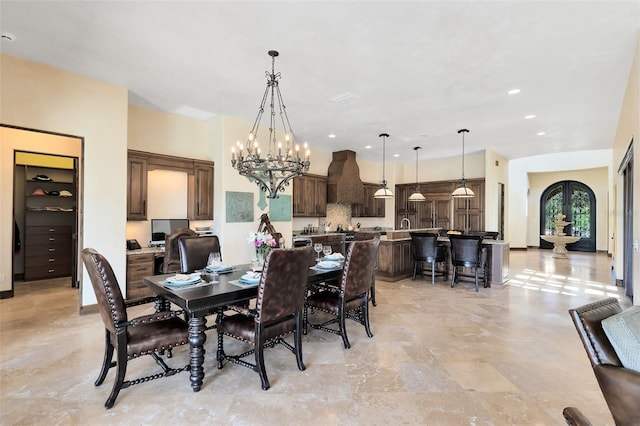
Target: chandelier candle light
[
  {"x": 417, "y": 196},
  {"x": 462, "y": 191},
  {"x": 283, "y": 161},
  {"x": 383, "y": 192}
]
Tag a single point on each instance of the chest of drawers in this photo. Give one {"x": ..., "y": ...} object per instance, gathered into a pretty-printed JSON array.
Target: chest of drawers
[{"x": 47, "y": 252}]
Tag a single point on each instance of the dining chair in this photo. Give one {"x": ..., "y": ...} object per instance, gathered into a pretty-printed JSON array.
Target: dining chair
[
  {"x": 467, "y": 251},
  {"x": 195, "y": 251},
  {"x": 350, "y": 299},
  {"x": 171, "y": 251},
  {"x": 426, "y": 249},
  {"x": 277, "y": 313},
  {"x": 620, "y": 386},
  {"x": 365, "y": 236},
  {"x": 154, "y": 334}
]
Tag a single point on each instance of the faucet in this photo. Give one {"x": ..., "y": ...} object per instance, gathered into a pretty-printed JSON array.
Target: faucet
[{"x": 408, "y": 223}]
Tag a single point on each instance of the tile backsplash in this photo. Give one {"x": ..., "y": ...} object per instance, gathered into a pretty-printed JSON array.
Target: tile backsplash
[{"x": 338, "y": 214}]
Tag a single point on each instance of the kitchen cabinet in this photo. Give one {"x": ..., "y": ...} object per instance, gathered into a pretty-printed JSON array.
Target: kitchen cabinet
[
  {"x": 200, "y": 204},
  {"x": 468, "y": 214},
  {"x": 310, "y": 196},
  {"x": 395, "y": 260},
  {"x": 199, "y": 183},
  {"x": 136, "y": 187},
  {"x": 138, "y": 267},
  {"x": 372, "y": 207}
]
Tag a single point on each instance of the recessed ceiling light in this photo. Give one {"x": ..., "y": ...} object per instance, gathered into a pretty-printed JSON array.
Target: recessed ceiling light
[
  {"x": 396, "y": 155},
  {"x": 541, "y": 133},
  {"x": 331, "y": 135},
  {"x": 529, "y": 117},
  {"x": 368, "y": 147},
  {"x": 513, "y": 91}
]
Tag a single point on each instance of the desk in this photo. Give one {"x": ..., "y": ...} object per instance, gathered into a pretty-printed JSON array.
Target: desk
[{"x": 200, "y": 301}]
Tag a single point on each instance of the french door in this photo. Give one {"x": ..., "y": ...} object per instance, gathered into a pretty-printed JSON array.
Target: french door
[{"x": 578, "y": 203}]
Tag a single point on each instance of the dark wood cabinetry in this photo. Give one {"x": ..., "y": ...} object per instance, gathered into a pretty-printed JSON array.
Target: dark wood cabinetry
[
  {"x": 201, "y": 201},
  {"x": 440, "y": 210},
  {"x": 200, "y": 183},
  {"x": 137, "y": 187},
  {"x": 469, "y": 212},
  {"x": 50, "y": 218},
  {"x": 395, "y": 260},
  {"x": 310, "y": 196},
  {"x": 372, "y": 207},
  {"x": 138, "y": 267}
]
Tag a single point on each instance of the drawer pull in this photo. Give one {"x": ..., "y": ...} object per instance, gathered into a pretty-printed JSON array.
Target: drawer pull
[
  {"x": 52, "y": 260},
  {"x": 52, "y": 229},
  {"x": 52, "y": 249},
  {"x": 51, "y": 271},
  {"x": 52, "y": 238}
]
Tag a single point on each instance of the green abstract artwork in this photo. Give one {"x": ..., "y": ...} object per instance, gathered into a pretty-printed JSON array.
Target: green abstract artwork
[
  {"x": 239, "y": 206},
  {"x": 280, "y": 209}
]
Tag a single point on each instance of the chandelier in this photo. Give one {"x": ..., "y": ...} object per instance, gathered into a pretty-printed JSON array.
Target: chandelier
[
  {"x": 462, "y": 191},
  {"x": 383, "y": 192},
  {"x": 282, "y": 161},
  {"x": 417, "y": 196}
]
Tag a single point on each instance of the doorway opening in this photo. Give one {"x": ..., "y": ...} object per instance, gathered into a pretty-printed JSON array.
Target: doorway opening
[{"x": 578, "y": 203}]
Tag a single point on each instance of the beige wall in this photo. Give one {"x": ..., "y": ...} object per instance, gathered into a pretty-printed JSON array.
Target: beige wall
[
  {"x": 628, "y": 129},
  {"x": 596, "y": 179},
  {"x": 39, "y": 97},
  {"x": 496, "y": 173}
]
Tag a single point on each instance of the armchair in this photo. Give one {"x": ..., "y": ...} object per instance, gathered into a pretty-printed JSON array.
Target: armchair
[
  {"x": 620, "y": 386},
  {"x": 145, "y": 335}
]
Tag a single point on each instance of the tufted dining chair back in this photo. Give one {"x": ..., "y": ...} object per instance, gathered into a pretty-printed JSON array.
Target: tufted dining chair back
[
  {"x": 171, "y": 250},
  {"x": 194, "y": 251}
]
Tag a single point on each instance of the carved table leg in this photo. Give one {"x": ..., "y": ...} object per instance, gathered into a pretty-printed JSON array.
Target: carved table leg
[{"x": 197, "y": 337}]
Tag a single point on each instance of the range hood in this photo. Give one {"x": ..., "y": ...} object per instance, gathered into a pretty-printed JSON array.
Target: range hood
[{"x": 343, "y": 179}]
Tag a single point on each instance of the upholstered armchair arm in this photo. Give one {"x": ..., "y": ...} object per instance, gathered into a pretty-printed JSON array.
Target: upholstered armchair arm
[
  {"x": 146, "y": 319},
  {"x": 574, "y": 417},
  {"x": 620, "y": 387}
]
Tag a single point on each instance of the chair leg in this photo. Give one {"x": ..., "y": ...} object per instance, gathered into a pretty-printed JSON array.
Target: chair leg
[
  {"x": 108, "y": 356},
  {"x": 415, "y": 269},
  {"x": 365, "y": 314},
  {"x": 433, "y": 271},
  {"x": 343, "y": 328},
  {"x": 373, "y": 290},
  {"x": 454, "y": 275},
  {"x": 117, "y": 385},
  {"x": 476, "y": 268},
  {"x": 259, "y": 356},
  {"x": 297, "y": 335},
  {"x": 220, "y": 352}
]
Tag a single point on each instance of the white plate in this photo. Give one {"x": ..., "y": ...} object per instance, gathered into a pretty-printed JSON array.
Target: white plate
[
  {"x": 334, "y": 257},
  {"x": 183, "y": 279},
  {"x": 327, "y": 264},
  {"x": 250, "y": 278}
]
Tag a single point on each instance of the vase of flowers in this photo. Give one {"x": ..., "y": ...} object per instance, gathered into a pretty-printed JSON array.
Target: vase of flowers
[{"x": 262, "y": 242}]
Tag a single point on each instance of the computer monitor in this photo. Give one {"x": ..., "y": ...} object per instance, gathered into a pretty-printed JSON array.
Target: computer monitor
[{"x": 162, "y": 227}]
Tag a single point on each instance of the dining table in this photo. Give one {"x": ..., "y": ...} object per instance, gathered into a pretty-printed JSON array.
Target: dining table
[{"x": 206, "y": 298}]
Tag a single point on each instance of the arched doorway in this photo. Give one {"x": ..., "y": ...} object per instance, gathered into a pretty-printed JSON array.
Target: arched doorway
[{"x": 578, "y": 203}]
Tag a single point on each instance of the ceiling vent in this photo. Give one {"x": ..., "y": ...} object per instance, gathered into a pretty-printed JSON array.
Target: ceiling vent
[{"x": 343, "y": 179}]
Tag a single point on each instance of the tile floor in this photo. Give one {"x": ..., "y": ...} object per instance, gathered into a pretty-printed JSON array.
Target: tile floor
[{"x": 439, "y": 356}]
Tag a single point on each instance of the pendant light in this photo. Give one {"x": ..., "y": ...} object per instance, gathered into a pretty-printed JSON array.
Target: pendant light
[
  {"x": 462, "y": 191},
  {"x": 383, "y": 192},
  {"x": 417, "y": 196}
]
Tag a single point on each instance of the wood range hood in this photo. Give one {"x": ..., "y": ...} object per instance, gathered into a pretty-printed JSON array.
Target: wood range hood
[{"x": 343, "y": 179}]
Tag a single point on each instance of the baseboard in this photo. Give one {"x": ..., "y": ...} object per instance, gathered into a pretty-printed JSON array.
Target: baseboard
[
  {"x": 519, "y": 248},
  {"x": 7, "y": 294},
  {"x": 89, "y": 309}
]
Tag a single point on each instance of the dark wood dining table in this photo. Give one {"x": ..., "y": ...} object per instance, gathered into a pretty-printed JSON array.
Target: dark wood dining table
[{"x": 204, "y": 299}]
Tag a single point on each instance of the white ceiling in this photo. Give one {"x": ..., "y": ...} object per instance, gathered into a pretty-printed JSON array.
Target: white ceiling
[{"x": 419, "y": 70}]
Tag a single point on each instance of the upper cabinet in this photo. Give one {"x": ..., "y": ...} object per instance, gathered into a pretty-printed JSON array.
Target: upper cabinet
[
  {"x": 372, "y": 207},
  {"x": 440, "y": 210},
  {"x": 136, "y": 187},
  {"x": 310, "y": 196},
  {"x": 201, "y": 201},
  {"x": 200, "y": 183}
]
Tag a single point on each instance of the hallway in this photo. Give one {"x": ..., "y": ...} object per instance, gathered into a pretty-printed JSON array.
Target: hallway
[{"x": 439, "y": 356}]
